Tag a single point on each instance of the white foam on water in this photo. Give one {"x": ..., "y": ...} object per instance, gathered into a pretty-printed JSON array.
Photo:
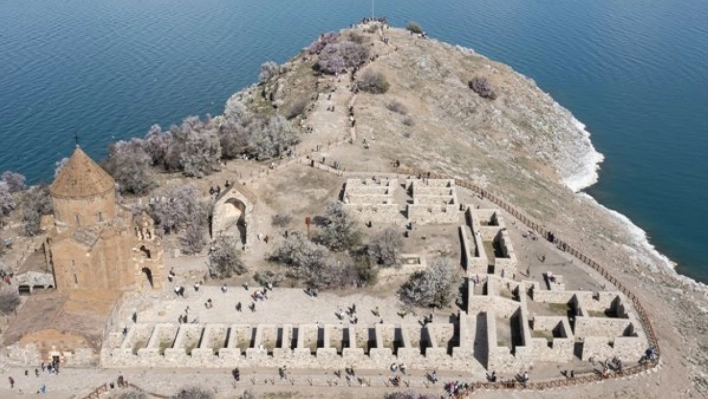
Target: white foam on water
[{"x": 587, "y": 174}]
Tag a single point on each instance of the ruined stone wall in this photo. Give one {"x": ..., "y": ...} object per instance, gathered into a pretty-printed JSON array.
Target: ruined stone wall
[
  {"x": 301, "y": 346},
  {"x": 379, "y": 213},
  {"x": 433, "y": 214}
]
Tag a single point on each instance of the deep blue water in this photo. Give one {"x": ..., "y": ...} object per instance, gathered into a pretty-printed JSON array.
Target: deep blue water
[{"x": 634, "y": 71}]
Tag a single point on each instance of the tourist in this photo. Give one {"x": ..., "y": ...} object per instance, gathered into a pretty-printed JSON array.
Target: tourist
[
  {"x": 245, "y": 285},
  {"x": 394, "y": 367},
  {"x": 223, "y": 288},
  {"x": 434, "y": 376},
  {"x": 196, "y": 287},
  {"x": 43, "y": 388},
  {"x": 340, "y": 314},
  {"x": 171, "y": 275},
  {"x": 36, "y": 372},
  {"x": 125, "y": 332},
  {"x": 237, "y": 374},
  {"x": 402, "y": 367},
  {"x": 238, "y": 307},
  {"x": 12, "y": 382},
  {"x": 134, "y": 318},
  {"x": 253, "y": 307}
]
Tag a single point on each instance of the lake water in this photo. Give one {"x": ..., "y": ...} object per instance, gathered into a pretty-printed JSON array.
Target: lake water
[{"x": 634, "y": 71}]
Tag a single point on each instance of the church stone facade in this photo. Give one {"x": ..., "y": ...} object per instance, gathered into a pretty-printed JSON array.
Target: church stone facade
[{"x": 96, "y": 244}]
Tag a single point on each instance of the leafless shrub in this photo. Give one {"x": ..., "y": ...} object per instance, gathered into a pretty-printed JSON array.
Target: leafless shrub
[
  {"x": 432, "y": 287},
  {"x": 248, "y": 394},
  {"x": 341, "y": 231},
  {"x": 386, "y": 246},
  {"x": 265, "y": 277},
  {"x": 373, "y": 82},
  {"x": 15, "y": 181},
  {"x": 225, "y": 258},
  {"x": 181, "y": 208},
  {"x": 35, "y": 203},
  {"x": 414, "y": 27},
  {"x": 132, "y": 394},
  {"x": 193, "y": 393},
  {"x": 408, "y": 121},
  {"x": 129, "y": 165},
  {"x": 482, "y": 87},
  {"x": 9, "y": 301},
  {"x": 193, "y": 240},
  {"x": 268, "y": 70},
  {"x": 297, "y": 109},
  {"x": 314, "y": 263},
  {"x": 397, "y": 107},
  {"x": 409, "y": 395},
  {"x": 281, "y": 219}
]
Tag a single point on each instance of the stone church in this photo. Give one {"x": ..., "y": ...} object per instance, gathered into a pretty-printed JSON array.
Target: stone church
[{"x": 96, "y": 244}]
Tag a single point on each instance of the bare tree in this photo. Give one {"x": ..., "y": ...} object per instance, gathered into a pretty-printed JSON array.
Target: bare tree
[
  {"x": 129, "y": 165},
  {"x": 156, "y": 144},
  {"x": 225, "y": 258},
  {"x": 15, "y": 181},
  {"x": 35, "y": 203},
  {"x": 195, "y": 148},
  {"x": 269, "y": 70},
  {"x": 194, "y": 239},
  {"x": 432, "y": 287},
  {"x": 341, "y": 231},
  {"x": 314, "y": 263},
  {"x": 9, "y": 301},
  {"x": 193, "y": 392},
  {"x": 386, "y": 247},
  {"x": 180, "y": 208},
  {"x": 272, "y": 138}
]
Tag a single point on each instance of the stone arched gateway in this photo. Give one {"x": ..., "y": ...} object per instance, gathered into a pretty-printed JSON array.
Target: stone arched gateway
[{"x": 233, "y": 213}]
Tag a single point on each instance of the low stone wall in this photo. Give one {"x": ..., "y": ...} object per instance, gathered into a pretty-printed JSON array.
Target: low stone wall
[
  {"x": 561, "y": 344},
  {"x": 433, "y": 214},
  {"x": 603, "y": 326},
  {"x": 378, "y": 213},
  {"x": 433, "y": 200},
  {"x": 367, "y": 199}
]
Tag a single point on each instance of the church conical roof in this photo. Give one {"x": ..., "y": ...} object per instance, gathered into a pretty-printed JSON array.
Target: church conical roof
[{"x": 81, "y": 177}]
